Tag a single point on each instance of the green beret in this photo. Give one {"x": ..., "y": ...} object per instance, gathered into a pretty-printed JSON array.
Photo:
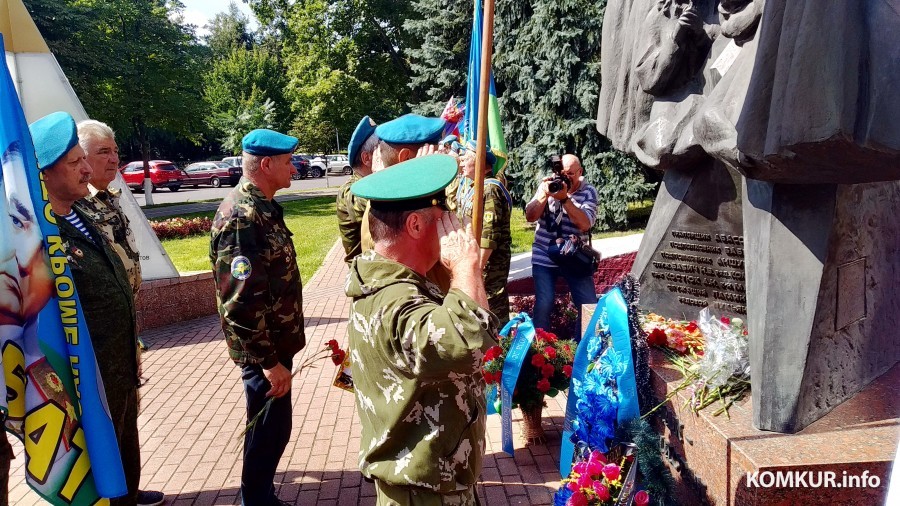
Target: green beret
[
  {"x": 413, "y": 184},
  {"x": 54, "y": 136},
  {"x": 362, "y": 133},
  {"x": 263, "y": 142},
  {"x": 411, "y": 129}
]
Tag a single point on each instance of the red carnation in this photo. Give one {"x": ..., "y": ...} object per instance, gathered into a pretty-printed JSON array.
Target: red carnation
[
  {"x": 726, "y": 320},
  {"x": 567, "y": 370},
  {"x": 538, "y": 360},
  {"x": 550, "y": 337},
  {"x": 543, "y": 386},
  {"x": 550, "y": 352},
  {"x": 657, "y": 337},
  {"x": 492, "y": 353},
  {"x": 338, "y": 357},
  {"x": 547, "y": 370},
  {"x": 333, "y": 345},
  {"x": 691, "y": 327}
]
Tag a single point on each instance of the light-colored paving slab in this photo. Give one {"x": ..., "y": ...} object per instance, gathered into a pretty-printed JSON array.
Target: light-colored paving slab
[{"x": 193, "y": 408}]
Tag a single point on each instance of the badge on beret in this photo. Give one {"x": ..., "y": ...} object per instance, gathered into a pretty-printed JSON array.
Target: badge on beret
[{"x": 240, "y": 268}]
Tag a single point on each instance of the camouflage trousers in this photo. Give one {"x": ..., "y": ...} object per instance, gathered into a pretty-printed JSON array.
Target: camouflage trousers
[{"x": 390, "y": 495}]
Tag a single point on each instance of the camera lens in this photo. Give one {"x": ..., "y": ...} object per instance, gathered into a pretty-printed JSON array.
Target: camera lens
[{"x": 554, "y": 186}]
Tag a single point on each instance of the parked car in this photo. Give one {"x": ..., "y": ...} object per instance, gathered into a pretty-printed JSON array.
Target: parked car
[
  {"x": 234, "y": 161},
  {"x": 212, "y": 173},
  {"x": 301, "y": 166},
  {"x": 163, "y": 174},
  {"x": 316, "y": 162},
  {"x": 338, "y": 164}
]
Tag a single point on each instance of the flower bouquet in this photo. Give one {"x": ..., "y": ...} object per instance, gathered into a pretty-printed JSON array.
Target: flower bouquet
[
  {"x": 546, "y": 370},
  {"x": 602, "y": 479},
  {"x": 331, "y": 350},
  {"x": 711, "y": 353}
]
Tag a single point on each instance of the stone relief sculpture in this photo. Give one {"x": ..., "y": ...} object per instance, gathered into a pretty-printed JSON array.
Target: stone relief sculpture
[
  {"x": 734, "y": 99},
  {"x": 823, "y": 94}
]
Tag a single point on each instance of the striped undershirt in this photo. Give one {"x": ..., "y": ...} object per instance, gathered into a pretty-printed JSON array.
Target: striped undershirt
[{"x": 77, "y": 223}]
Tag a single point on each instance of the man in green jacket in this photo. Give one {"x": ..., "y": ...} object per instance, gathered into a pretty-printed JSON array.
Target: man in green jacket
[
  {"x": 260, "y": 301},
  {"x": 103, "y": 286},
  {"x": 416, "y": 352},
  {"x": 350, "y": 208}
]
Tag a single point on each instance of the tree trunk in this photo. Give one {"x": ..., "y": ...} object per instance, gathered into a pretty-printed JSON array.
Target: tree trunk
[{"x": 144, "y": 143}]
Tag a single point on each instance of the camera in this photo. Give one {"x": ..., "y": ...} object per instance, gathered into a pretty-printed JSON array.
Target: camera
[{"x": 559, "y": 179}]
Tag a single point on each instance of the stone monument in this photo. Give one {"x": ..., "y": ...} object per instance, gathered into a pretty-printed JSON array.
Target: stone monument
[{"x": 777, "y": 124}]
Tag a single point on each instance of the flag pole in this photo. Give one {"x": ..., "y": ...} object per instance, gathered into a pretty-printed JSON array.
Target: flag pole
[{"x": 487, "y": 41}]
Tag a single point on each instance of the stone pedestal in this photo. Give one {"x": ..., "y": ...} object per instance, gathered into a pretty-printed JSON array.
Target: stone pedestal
[
  {"x": 822, "y": 281},
  {"x": 711, "y": 456}
]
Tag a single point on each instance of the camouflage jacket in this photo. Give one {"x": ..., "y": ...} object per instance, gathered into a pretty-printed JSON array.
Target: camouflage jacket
[
  {"x": 107, "y": 301},
  {"x": 350, "y": 211},
  {"x": 105, "y": 211},
  {"x": 258, "y": 287},
  {"x": 416, "y": 358},
  {"x": 496, "y": 236}
]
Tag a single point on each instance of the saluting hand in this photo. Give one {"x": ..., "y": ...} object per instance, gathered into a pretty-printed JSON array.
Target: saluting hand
[{"x": 459, "y": 250}]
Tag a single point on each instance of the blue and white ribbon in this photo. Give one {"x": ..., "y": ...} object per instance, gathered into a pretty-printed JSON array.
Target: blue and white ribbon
[
  {"x": 611, "y": 314},
  {"x": 512, "y": 365}
]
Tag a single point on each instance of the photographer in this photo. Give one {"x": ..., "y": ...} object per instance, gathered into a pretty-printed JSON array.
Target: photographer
[{"x": 565, "y": 205}]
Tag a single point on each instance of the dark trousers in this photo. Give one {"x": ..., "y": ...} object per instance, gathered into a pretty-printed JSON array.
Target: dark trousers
[
  {"x": 6, "y": 455},
  {"x": 265, "y": 442},
  {"x": 123, "y": 408},
  {"x": 581, "y": 288}
]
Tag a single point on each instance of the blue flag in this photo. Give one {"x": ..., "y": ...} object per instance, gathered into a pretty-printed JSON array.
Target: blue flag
[
  {"x": 55, "y": 401},
  {"x": 496, "y": 142}
]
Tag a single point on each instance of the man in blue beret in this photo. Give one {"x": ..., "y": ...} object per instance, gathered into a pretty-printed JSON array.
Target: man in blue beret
[
  {"x": 104, "y": 288},
  {"x": 402, "y": 139},
  {"x": 417, "y": 351},
  {"x": 260, "y": 300},
  {"x": 350, "y": 208}
]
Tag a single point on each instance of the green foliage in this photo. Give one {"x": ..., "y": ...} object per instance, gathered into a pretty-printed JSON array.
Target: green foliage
[
  {"x": 547, "y": 68},
  {"x": 245, "y": 90},
  {"x": 133, "y": 64},
  {"x": 229, "y": 31},
  {"x": 345, "y": 59},
  {"x": 439, "y": 65}
]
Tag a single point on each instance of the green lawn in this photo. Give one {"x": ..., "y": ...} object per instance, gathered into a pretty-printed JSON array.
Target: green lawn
[
  {"x": 523, "y": 232},
  {"x": 314, "y": 226},
  {"x": 312, "y": 221}
]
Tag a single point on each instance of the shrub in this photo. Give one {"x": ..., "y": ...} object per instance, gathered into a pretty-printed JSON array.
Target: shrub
[{"x": 177, "y": 228}]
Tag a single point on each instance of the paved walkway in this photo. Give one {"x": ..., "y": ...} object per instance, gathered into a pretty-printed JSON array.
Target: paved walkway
[
  {"x": 193, "y": 410},
  {"x": 201, "y": 207}
]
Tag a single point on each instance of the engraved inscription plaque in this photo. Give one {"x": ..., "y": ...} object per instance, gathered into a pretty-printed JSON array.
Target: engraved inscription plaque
[{"x": 696, "y": 259}]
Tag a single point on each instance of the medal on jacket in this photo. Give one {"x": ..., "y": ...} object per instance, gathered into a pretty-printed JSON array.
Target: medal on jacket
[{"x": 77, "y": 252}]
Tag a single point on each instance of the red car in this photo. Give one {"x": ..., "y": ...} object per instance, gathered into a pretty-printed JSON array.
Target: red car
[
  {"x": 212, "y": 173},
  {"x": 163, "y": 174}
]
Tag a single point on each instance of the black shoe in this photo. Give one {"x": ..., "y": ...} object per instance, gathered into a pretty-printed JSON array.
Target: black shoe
[{"x": 150, "y": 498}]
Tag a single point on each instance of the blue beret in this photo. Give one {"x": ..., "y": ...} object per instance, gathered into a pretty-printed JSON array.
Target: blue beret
[
  {"x": 411, "y": 129},
  {"x": 263, "y": 142},
  {"x": 54, "y": 136},
  {"x": 362, "y": 133},
  {"x": 450, "y": 139},
  {"x": 413, "y": 184}
]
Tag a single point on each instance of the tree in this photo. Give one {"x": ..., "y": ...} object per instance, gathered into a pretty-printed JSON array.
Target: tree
[
  {"x": 548, "y": 73},
  {"x": 439, "y": 65},
  {"x": 239, "y": 84},
  {"x": 228, "y": 31},
  {"x": 344, "y": 59}
]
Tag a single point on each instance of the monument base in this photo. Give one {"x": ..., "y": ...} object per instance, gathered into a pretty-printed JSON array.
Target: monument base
[{"x": 710, "y": 456}]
